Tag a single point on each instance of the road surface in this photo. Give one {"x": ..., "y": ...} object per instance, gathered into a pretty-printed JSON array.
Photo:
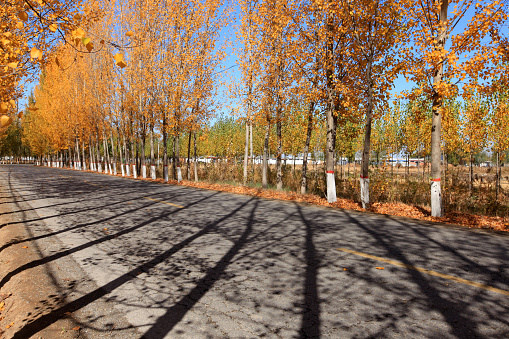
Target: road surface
[{"x": 141, "y": 259}]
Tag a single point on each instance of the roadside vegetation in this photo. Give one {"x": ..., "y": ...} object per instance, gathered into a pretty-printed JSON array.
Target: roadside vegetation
[{"x": 308, "y": 107}]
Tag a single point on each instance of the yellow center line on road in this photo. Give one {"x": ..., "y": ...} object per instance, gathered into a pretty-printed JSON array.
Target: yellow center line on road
[
  {"x": 430, "y": 272},
  {"x": 164, "y": 202}
]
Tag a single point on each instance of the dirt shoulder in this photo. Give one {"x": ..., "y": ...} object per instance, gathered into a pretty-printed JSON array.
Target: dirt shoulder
[{"x": 30, "y": 292}]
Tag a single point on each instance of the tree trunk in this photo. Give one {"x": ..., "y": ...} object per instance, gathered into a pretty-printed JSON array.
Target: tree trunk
[
  {"x": 114, "y": 154},
  {"x": 497, "y": 176},
  {"x": 195, "y": 159},
  {"x": 279, "y": 152},
  {"x": 177, "y": 157},
  {"x": 471, "y": 174},
  {"x": 82, "y": 161},
  {"x": 123, "y": 157},
  {"x": 329, "y": 160},
  {"x": 133, "y": 158},
  {"x": 77, "y": 155},
  {"x": 251, "y": 148},
  {"x": 189, "y": 157},
  {"x": 91, "y": 154},
  {"x": 98, "y": 155},
  {"x": 246, "y": 153},
  {"x": 165, "y": 149},
  {"x": 152, "y": 162},
  {"x": 265, "y": 160},
  {"x": 436, "y": 121},
  {"x": 107, "y": 164},
  {"x": 143, "y": 159},
  {"x": 364, "y": 177}
]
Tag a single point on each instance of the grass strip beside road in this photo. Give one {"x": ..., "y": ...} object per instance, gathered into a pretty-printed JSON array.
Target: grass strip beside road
[{"x": 430, "y": 272}]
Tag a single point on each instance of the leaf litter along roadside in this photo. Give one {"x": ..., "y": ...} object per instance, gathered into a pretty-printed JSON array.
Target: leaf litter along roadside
[
  {"x": 394, "y": 209},
  {"x": 29, "y": 294}
]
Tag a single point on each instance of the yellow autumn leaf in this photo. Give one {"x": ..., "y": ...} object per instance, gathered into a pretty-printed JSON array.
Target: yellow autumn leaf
[
  {"x": 118, "y": 57},
  {"x": 19, "y": 25},
  {"x": 35, "y": 53},
  {"x": 85, "y": 41},
  {"x": 129, "y": 34},
  {"x": 13, "y": 64},
  {"x": 5, "y": 121},
  {"x": 53, "y": 27},
  {"x": 3, "y": 107},
  {"x": 121, "y": 64},
  {"x": 12, "y": 103},
  {"x": 20, "y": 115},
  {"x": 23, "y": 16},
  {"x": 79, "y": 33}
]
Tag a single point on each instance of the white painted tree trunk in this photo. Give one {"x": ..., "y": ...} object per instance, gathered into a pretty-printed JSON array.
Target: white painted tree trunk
[
  {"x": 122, "y": 169},
  {"x": 179, "y": 174},
  {"x": 144, "y": 171},
  {"x": 134, "y": 171},
  {"x": 331, "y": 187},
  {"x": 364, "y": 192},
  {"x": 436, "y": 198},
  {"x": 153, "y": 172}
]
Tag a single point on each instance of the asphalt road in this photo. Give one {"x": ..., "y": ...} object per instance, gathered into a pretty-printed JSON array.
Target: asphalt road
[{"x": 140, "y": 259}]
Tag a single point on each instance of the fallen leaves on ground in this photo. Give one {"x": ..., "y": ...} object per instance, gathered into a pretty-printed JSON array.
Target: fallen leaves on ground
[
  {"x": 24, "y": 247},
  {"x": 380, "y": 268},
  {"x": 10, "y": 325},
  {"x": 394, "y": 209}
]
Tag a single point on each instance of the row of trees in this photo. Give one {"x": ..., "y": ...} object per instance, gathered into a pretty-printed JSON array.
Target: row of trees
[{"x": 305, "y": 67}]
